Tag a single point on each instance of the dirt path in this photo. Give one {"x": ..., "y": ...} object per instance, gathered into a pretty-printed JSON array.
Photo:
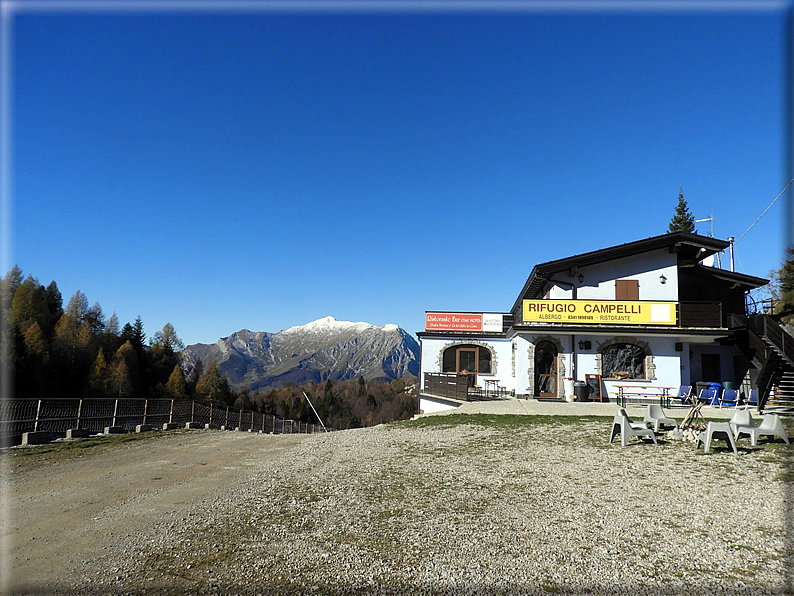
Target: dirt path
[{"x": 69, "y": 521}]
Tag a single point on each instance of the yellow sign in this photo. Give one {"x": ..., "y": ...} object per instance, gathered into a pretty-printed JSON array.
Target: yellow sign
[{"x": 612, "y": 312}]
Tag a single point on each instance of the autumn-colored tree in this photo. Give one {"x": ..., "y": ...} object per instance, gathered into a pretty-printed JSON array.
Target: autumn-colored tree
[
  {"x": 99, "y": 377},
  {"x": 29, "y": 305},
  {"x": 124, "y": 379},
  {"x": 213, "y": 387},
  {"x": 176, "y": 387}
]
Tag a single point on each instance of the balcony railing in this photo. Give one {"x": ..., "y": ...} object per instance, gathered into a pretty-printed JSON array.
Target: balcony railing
[{"x": 447, "y": 385}]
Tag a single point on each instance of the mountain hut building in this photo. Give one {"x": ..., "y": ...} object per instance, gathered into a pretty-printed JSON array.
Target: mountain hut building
[{"x": 637, "y": 319}]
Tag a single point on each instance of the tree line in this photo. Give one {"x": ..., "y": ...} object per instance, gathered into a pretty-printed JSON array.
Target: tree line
[{"x": 76, "y": 351}]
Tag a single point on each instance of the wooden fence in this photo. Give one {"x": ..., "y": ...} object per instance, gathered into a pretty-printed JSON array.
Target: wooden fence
[{"x": 56, "y": 416}]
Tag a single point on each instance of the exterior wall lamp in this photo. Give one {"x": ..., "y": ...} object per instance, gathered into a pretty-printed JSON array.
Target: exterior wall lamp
[
  {"x": 584, "y": 345},
  {"x": 581, "y": 278},
  {"x": 662, "y": 278}
]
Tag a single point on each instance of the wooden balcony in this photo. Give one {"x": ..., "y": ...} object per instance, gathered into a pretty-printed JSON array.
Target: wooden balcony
[{"x": 700, "y": 314}]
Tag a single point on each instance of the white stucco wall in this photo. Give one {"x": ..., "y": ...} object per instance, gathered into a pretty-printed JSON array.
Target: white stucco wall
[
  {"x": 599, "y": 279},
  {"x": 429, "y": 406},
  {"x": 501, "y": 359}
]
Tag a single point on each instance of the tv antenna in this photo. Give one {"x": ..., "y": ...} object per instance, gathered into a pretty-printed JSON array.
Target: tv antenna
[{"x": 710, "y": 219}]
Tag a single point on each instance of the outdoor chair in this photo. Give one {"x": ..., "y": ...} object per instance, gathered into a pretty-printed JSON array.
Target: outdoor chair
[
  {"x": 730, "y": 397},
  {"x": 685, "y": 394},
  {"x": 753, "y": 400},
  {"x": 628, "y": 428},
  {"x": 740, "y": 418},
  {"x": 716, "y": 430},
  {"x": 709, "y": 396},
  {"x": 770, "y": 426},
  {"x": 654, "y": 414}
]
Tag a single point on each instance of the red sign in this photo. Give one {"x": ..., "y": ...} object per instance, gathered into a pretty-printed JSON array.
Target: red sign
[{"x": 453, "y": 321}]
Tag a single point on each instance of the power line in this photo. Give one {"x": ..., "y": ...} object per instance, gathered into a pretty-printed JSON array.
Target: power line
[{"x": 765, "y": 210}]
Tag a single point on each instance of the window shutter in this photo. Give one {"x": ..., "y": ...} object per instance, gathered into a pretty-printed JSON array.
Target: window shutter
[{"x": 627, "y": 289}]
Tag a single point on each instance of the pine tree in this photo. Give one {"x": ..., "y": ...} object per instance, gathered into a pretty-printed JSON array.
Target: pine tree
[
  {"x": 10, "y": 283},
  {"x": 683, "y": 220},
  {"x": 138, "y": 336},
  {"x": 54, "y": 307}
]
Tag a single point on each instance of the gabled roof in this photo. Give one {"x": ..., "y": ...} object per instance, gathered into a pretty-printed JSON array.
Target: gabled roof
[{"x": 689, "y": 247}]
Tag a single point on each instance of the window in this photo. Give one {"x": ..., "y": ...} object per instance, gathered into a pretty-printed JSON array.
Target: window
[
  {"x": 623, "y": 361},
  {"x": 467, "y": 357},
  {"x": 627, "y": 289}
]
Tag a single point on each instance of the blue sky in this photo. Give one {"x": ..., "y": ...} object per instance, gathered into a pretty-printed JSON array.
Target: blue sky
[{"x": 260, "y": 169}]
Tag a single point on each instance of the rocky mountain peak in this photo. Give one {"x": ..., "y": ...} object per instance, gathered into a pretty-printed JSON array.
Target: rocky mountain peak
[{"x": 319, "y": 350}]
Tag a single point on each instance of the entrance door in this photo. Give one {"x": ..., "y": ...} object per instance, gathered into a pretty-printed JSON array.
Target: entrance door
[
  {"x": 546, "y": 369},
  {"x": 710, "y": 370},
  {"x": 467, "y": 364}
]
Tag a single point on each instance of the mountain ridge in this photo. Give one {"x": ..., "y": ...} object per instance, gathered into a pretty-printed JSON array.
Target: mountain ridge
[{"x": 319, "y": 350}]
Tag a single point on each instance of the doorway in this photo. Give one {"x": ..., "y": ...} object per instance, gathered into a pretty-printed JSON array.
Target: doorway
[
  {"x": 467, "y": 359},
  {"x": 710, "y": 367},
  {"x": 545, "y": 369}
]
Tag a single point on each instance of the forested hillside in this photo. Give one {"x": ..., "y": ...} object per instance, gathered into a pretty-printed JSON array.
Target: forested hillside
[{"x": 54, "y": 351}]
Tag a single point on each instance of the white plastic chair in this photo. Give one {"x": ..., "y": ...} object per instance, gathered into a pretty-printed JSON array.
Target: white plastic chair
[
  {"x": 654, "y": 414},
  {"x": 627, "y": 428},
  {"x": 740, "y": 418},
  {"x": 770, "y": 426},
  {"x": 716, "y": 430}
]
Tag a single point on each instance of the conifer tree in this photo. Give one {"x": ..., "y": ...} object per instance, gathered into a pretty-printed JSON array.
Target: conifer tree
[
  {"x": 98, "y": 381},
  {"x": 77, "y": 307},
  {"x": 112, "y": 326},
  {"x": 683, "y": 220},
  {"x": 124, "y": 372},
  {"x": 176, "y": 387},
  {"x": 29, "y": 305},
  {"x": 138, "y": 336},
  {"x": 11, "y": 281},
  {"x": 54, "y": 307},
  {"x": 210, "y": 386}
]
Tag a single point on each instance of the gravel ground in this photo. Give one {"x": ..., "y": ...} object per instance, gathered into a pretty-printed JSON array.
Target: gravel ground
[{"x": 509, "y": 505}]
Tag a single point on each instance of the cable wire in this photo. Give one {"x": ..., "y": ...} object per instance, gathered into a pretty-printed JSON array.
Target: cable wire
[{"x": 764, "y": 213}]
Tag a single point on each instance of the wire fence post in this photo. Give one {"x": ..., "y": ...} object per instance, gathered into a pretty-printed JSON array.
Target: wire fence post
[
  {"x": 240, "y": 419},
  {"x": 227, "y": 418},
  {"x": 79, "y": 412},
  {"x": 210, "y": 414},
  {"x": 145, "y": 410},
  {"x": 171, "y": 414},
  {"x": 38, "y": 412},
  {"x": 192, "y": 410},
  {"x": 252, "y": 420},
  {"x": 115, "y": 411}
]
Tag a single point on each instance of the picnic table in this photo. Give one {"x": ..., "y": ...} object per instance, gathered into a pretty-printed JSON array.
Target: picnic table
[{"x": 626, "y": 392}]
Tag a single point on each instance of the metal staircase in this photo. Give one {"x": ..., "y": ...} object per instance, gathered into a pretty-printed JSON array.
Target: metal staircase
[{"x": 771, "y": 350}]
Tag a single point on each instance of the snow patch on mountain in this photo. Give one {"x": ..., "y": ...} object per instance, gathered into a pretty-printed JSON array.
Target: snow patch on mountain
[{"x": 319, "y": 350}]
